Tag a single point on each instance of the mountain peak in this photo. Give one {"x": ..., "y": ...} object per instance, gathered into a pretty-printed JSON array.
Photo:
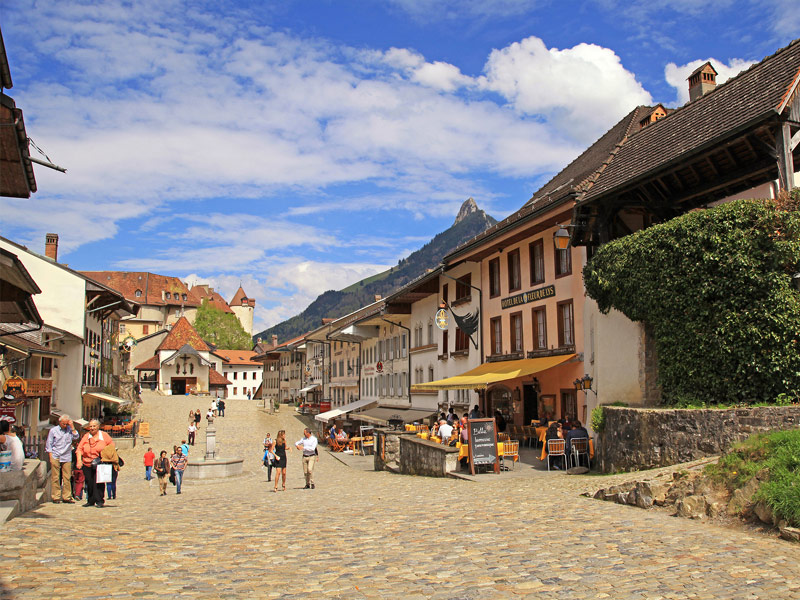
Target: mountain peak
[{"x": 466, "y": 209}]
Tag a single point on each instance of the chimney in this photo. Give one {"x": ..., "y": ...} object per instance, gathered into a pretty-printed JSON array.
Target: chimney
[
  {"x": 274, "y": 341},
  {"x": 377, "y": 297},
  {"x": 702, "y": 80},
  {"x": 51, "y": 246}
]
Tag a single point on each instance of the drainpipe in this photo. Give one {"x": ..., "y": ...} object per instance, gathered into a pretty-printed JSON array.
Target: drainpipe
[{"x": 408, "y": 352}]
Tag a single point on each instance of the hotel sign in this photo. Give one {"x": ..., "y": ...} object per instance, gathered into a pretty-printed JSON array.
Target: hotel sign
[{"x": 527, "y": 297}]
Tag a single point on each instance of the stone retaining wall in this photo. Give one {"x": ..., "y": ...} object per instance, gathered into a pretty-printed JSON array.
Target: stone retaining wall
[
  {"x": 403, "y": 452},
  {"x": 20, "y": 491},
  {"x": 640, "y": 438}
]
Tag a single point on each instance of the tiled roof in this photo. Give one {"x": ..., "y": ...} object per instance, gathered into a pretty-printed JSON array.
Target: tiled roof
[
  {"x": 24, "y": 340},
  {"x": 239, "y": 296},
  {"x": 151, "y": 364},
  {"x": 153, "y": 287},
  {"x": 750, "y": 97},
  {"x": 236, "y": 357},
  {"x": 183, "y": 333},
  {"x": 577, "y": 176},
  {"x": 215, "y": 378},
  {"x": 203, "y": 292}
]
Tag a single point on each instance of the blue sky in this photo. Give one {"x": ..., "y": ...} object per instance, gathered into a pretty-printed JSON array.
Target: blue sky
[{"x": 301, "y": 145}]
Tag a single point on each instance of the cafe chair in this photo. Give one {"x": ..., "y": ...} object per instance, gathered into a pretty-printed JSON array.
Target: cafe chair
[
  {"x": 556, "y": 448},
  {"x": 510, "y": 451},
  {"x": 503, "y": 437},
  {"x": 580, "y": 447}
]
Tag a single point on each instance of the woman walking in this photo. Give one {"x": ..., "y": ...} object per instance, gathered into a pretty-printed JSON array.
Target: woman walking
[
  {"x": 269, "y": 455},
  {"x": 108, "y": 455},
  {"x": 162, "y": 470},
  {"x": 279, "y": 449}
]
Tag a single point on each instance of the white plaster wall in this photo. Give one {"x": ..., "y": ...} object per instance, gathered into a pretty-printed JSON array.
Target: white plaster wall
[
  {"x": 254, "y": 376},
  {"x": 70, "y": 376},
  {"x": 61, "y": 303},
  {"x": 617, "y": 356}
]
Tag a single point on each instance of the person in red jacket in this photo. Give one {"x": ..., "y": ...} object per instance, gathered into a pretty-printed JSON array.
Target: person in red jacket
[{"x": 149, "y": 458}]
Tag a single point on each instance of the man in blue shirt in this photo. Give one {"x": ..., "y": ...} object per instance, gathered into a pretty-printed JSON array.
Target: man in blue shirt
[{"x": 59, "y": 446}]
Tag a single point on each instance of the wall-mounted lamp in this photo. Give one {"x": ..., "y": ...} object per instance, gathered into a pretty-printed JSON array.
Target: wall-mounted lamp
[
  {"x": 584, "y": 384},
  {"x": 796, "y": 281},
  {"x": 561, "y": 237}
]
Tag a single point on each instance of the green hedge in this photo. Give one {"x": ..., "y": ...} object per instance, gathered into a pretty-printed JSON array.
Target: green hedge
[{"x": 715, "y": 285}]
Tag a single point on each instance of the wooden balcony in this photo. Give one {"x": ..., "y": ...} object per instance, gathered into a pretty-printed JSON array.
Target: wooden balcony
[{"x": 37, "y": 388}]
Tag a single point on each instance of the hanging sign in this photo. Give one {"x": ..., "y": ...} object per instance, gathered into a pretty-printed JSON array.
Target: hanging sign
[
  {"x": 379, "y": 367},
  {"x": 532, "y": 296},
  {"x": 15, "y": 386},
  {"x": 441, "y": 319}
]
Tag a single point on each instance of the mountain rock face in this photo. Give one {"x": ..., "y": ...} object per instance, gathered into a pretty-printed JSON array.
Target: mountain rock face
[
  {"x": 466, "y": 210},
  {"x": 470, "y": 221}
]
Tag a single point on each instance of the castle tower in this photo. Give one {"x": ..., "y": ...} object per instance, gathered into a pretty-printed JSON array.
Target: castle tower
[{"x": 243, "y": 308}]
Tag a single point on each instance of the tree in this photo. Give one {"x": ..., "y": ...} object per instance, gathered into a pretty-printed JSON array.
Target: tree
[
  {"x": 716, "y": 287},
  {"x": 220, "y": 328}
]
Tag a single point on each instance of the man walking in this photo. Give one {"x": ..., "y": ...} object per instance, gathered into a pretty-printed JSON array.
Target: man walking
[
  {"x": 309, "y": 447},
  {"x": 88, "y": 450},
  {"x": 221, "y": 407},
  {"x": 178, "y": 462},
  {"x": 149, "y": 458},
  {"x": 59, "y": 446}
]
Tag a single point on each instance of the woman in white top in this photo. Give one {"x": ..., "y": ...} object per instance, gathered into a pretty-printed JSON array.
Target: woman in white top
[{"x": 10, "y": 441}]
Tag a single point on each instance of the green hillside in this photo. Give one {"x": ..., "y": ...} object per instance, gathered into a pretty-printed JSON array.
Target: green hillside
[{"x": 470, "y": 222}]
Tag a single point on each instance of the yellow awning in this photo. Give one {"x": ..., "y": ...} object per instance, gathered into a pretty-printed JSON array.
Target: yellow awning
[{"x": 486, "y": 374}]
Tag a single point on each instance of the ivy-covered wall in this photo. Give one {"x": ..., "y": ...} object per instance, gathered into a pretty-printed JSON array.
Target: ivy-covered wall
[{"x": 715, "y": 287}]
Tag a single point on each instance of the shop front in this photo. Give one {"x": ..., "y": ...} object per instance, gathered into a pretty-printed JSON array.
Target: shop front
[{"x": 523, "y": 390}]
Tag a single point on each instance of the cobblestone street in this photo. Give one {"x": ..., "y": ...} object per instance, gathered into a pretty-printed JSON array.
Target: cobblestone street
[{"x": 371, "y": 535}]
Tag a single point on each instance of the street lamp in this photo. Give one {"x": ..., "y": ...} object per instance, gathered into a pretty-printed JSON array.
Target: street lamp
[
  {"x": 561, "y": 238},
  {"x": 584, "y": 384},
  {"x": 796, "y": 281}
]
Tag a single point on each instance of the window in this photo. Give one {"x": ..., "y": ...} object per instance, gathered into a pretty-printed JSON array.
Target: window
[
  {"x": 167, "y": 295},
  {"x": 536, "y": 250},
  {"x": 403, "y": 352},
  {"x": 430, "y": 373},
  {"x": 401, "y": 387},
  {"x": 444, "y": 342},
  {"x": 47, "y": 367},
  {"x": 514, "y": 282},
  {"x": 566, "y": 330},
  {"x": 496, "y": 342},
  {"x": 539, "y": 329},
  {"x": 183, "y": 296},
  {"x": 445, "y": 293},
  {"x": 430, "y": 332},
  {"x": 244, "y": 375},
  {"x": 391, "y": 384},
  {"x": 145, "y": 329},
  {"x": 462, "y": 340},
  {"x": 234, "y": 375},
  {"x": 563, "y": 262},
  {"x": 138, "y": 293},
  {"x": 463, "y": 289},
  {"x": 235, "y": 390},
  {"x": 494, "y": 277},
  {"x": 516, "y": 332},
  {"x": 122, "y": 327}
]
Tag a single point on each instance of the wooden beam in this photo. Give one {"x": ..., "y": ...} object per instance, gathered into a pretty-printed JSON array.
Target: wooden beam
[
  {"x": 795, "y": 140},
  {"x": 783, "y": 144}
]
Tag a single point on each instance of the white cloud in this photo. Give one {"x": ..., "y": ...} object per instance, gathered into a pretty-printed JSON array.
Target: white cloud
[
  {"x": 584, "y": 89},
  {"x": 430, "y": 10},
  {"x": 677, "y": 75}
]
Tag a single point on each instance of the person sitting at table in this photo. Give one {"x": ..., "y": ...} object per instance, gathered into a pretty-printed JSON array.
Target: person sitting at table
[
  {"x": 554, "y": 433},
  {"x": 578, "y": 432},
  {"x": 445, "y": 431},
  {"x": 341, "y": 435}
]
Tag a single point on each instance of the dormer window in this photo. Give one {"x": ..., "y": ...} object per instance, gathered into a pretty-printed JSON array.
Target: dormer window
[
  {"x": 138, "y": 293},
  {"x": 183, "y": 297},
  {"x": 167, "y": 295}
]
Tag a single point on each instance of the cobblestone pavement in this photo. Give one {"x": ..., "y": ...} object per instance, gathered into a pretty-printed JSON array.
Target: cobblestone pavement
[{"x": 372, "y": 535}]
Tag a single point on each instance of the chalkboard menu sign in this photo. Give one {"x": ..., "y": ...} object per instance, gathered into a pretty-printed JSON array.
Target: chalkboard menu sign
[{"x": 482, "y": 444}]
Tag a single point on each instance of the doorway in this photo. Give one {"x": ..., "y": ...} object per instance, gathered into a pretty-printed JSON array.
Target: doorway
[
  {"x": 178, "y": 386},
  {"x": 530, "y": 404}
]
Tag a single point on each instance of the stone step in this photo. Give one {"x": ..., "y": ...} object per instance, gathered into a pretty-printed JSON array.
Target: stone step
[
  {"x": 41, "y": 496},
  {"x": 8, "y": 510}
]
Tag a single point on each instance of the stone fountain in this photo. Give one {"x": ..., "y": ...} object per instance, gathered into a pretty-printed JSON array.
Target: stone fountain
[{"x": 212, "y": 466}]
